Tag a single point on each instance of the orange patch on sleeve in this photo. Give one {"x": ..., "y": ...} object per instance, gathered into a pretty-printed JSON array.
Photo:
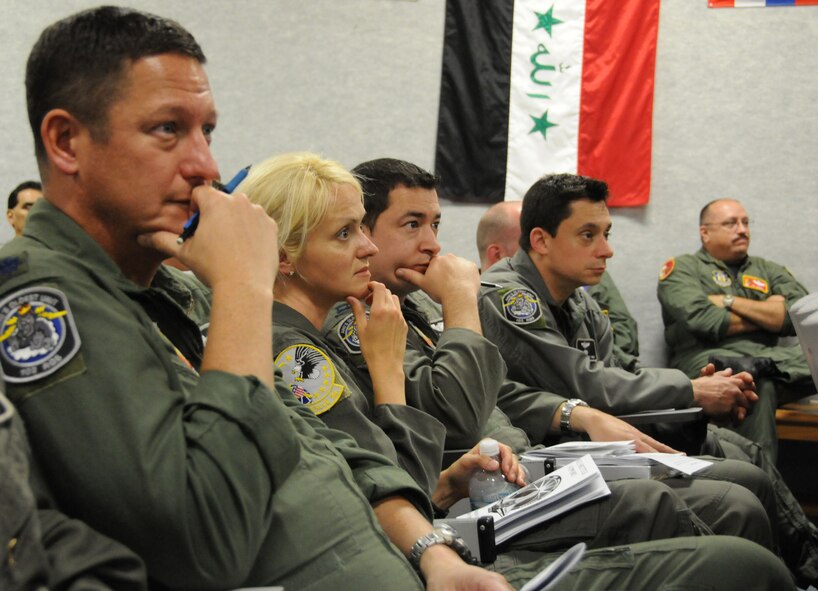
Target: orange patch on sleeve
[{"x": 667, "y": 269}]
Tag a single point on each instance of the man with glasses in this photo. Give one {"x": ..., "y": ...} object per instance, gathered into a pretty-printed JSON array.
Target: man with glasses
[{"x": 722, "y": 305}]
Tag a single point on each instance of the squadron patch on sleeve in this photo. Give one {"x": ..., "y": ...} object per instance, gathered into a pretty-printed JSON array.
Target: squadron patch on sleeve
[
  {"x": 38, "y": 335},
  {"x": 310, "y": 376},
  {"x": 667, "y": 269},
  {"x": 348, "y": 334},
  {"x": 721, "y": 278},
  {"x": 521, "y": 306},
  {"x": 756, "y": 283}
]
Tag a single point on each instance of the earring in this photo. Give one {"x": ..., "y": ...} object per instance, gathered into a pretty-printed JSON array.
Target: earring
[{"x": 291, "y": 273}]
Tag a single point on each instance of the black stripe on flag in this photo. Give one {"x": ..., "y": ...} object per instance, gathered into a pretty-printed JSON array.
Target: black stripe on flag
[{"x": 472, "y": 129}]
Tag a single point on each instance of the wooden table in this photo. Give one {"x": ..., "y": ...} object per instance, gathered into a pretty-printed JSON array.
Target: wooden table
[{"x": 797, "y": 421}]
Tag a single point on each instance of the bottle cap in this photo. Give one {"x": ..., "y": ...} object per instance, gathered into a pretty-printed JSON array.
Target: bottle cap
[{"x": 489, "y": 447}]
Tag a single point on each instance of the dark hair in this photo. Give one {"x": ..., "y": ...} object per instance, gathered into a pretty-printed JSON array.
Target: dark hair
[
  {"x": 13, "y": 196},
  {"x": 378, "y": 177},
  {"x": 548, "y": 202},
  {"x": 78, "y": 63}
]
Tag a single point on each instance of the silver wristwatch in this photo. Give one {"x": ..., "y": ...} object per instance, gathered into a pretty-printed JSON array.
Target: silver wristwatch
[
  {"x": 441, "y": 534},
  {"x": 728, "y": 300},
  {"x": 565, "y": 415}
]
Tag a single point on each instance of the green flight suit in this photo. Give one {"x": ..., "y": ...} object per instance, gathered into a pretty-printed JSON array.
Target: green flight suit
[
  {"x": 441, "y": 361},
  {"x": 623, "y": 324},
  {"x": 696, "y": 328},
  {"x": 214, "y": 480},
  {"x": 319, "y": 376},
  {"x": 569, "y": 349},
  {"x": 41, "y": 548}
]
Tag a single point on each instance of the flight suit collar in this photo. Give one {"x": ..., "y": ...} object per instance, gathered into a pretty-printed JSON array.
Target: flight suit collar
[
  {"x": 522, "y": 264},
  {"x": 708, "y": 258},
  {"x": 50, "y": 226},
  {"x": 58, "y": 232},
  {"x": 287, "y": 316}
]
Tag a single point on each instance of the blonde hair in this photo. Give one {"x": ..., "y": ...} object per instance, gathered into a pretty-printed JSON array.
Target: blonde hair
[{"x": 296, "y": 190}]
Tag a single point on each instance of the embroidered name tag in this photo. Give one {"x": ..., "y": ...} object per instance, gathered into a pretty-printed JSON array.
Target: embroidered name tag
[
  {"x": 310, "y": 376},
  {"x": 756, "y": 283}
]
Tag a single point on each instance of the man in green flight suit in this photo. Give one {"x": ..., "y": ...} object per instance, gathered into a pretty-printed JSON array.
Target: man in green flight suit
[
  {"x": 498, "y": 237},
  {"x": 723, "y": 302}
]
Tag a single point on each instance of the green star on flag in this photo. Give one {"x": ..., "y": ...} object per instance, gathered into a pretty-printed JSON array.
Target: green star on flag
[
  {"x": 547, "y": 20},
  {"x": 541, "y": 124}
]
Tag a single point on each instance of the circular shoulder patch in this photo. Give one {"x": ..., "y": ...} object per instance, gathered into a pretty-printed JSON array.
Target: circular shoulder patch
[
  {"x": 347, "y": 332},
  {"x": 667, "y": 269},
  {"x": 310, "y": 376},
  {"x": 38, "y": 335},
  {"x": 721, "y": 278},
  {"x": 521, "y": 306}
]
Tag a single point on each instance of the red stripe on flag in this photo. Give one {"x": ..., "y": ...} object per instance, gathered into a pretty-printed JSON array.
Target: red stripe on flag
[
  {"x": 616, "y": 102},
  {"x": 721, "y": 4},
  {"x": 806, "y": 2}
]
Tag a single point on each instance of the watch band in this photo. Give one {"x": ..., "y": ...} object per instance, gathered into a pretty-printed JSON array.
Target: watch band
[
  {"x": 565, "y": 415},
  {"x": 441, "y": 534}
]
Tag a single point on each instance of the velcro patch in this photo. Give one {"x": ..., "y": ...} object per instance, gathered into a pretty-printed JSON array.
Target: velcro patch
[
  {"x": 310, "y": 376},
  {"x": 521, "y": 306},
  {"x": 38, "y": 335},
  {"x": 721, "y": 278},
  {"x": 756, "y": 283},
  {"x": 13, "y": 266},
  {"x": 348, "y": 334},
  {"x": 667, "y": 269}
]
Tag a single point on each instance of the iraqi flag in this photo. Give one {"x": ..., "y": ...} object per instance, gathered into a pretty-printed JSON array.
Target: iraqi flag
[{"x": 531, "y": 87}]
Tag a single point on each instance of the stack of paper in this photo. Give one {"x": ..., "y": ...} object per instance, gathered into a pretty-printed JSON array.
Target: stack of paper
[
  {"x": 616, "y": 454},
  {"x": 554, "y": 494}
]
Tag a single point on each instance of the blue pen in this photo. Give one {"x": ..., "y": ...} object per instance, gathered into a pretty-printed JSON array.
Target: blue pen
[{"x": 190, "y": 226}]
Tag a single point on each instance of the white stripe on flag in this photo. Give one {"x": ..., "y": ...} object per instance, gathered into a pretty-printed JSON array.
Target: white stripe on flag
[{"x": 544, "y": 102}]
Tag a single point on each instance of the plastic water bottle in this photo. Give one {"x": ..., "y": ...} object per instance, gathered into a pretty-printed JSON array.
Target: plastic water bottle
[{"x": 488, "y": 486}]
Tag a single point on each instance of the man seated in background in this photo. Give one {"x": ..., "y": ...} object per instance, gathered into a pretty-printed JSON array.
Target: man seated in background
[
  {"x": 20, "y": 201},
  {"x": 722, "y": 304},
  {"x": 553, "y": 335}
]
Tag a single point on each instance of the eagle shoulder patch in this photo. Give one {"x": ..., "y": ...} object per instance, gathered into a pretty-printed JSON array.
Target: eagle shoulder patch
[
  {"x": 521, "y": 306},
  {"x": 38, "y": 335},
  {"x": 310, "y": 376}
]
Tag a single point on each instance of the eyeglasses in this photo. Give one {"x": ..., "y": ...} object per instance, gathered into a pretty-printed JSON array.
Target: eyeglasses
[{"x": 731, "y": 223}]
